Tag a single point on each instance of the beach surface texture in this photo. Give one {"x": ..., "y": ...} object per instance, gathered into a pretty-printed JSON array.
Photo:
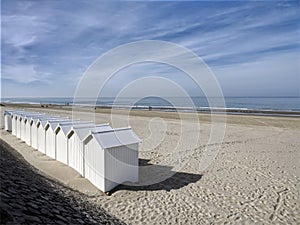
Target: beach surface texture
[{"x": 255, "y": 177}]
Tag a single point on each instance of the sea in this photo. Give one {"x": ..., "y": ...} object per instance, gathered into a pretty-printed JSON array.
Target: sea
[{"x": 256, "y": 105}]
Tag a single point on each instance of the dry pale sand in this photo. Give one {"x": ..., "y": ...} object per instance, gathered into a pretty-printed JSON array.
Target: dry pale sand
[{"x": 254, "y": 178}]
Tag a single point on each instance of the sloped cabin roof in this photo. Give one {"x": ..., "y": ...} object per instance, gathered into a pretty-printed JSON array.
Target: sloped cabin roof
[
  {"x": 30, "y": 117},
  {"x": 114, "y": 138},
  {"x": 82, "y": 132},
  {"x": 27, "y": 114},
  {"x": 43, "y": 122},
  {"x": 11, "y": 112},
  {"x": 52, "y": 124},
  {"x": 65, "y": 128},
  {"x": 19, "y": 114},
  {"x": 35, "y": 120},
  {"x": 16, "y": 114}
]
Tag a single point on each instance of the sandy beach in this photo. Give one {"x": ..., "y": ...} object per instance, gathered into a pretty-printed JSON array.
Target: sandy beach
[{"x": 255, "y": 177}]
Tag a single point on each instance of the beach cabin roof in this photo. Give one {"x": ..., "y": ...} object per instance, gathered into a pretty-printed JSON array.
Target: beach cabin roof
[
  {"x": 114, "y": 137},
  {"x": 27, "y": 114},
  {"x": 46, "y": 122},
  {"x": 65, "y": 128},
  {"x": 43, "y": 120},
  {"x": 52, "y": 124},
  {"x": 23, "y": 113},
  {"x": 30, "y": 117},
  {"x": 83, "y": 131},
  {"x": 36, "y": 119},
  {"x": 11, "y": 112},
  {"x": 16, "y": 113},
  {"x": 41, "y": 115}
]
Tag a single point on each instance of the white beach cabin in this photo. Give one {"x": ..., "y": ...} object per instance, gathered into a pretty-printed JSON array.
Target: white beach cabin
[
  {"x": 15, "y": 125},
  {"x": 14, "y": 118},
  {"x": 22, "y": 127},
  {"x": 50, "y": 136},
  {"x": 8, "y": 119},
  {"x": 75, "y": 139},
  {"x": 111, "y": 158},
  {"x": 61, "y": 141},
  {"x": 28, "y": 127},
  {"x": 21, "y": 123},
  {"x": 41, "y": 132},
  {"x": 34, "y": 128}
]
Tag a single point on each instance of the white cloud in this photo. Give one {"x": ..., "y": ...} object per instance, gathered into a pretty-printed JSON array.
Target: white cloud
[
  {"x": 20, "y": 73},
  {"x": 23, "y": 74}
]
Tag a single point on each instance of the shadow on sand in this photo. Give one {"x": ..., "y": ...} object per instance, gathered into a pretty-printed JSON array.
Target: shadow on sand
[{"x": 157, "y": 177}]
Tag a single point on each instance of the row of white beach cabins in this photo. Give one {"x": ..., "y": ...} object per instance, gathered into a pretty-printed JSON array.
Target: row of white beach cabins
[{"x": 106, "y": 157}]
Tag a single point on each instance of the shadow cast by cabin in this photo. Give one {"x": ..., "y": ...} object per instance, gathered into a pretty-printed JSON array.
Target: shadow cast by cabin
[{"x": 159, "y": 177}]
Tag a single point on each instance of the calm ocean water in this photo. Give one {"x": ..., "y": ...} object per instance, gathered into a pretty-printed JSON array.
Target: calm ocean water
[{"x": 251, "y": 103}]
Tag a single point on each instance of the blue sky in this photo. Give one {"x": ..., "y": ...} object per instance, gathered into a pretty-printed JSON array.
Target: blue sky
[{"x": 253, "y": 48}]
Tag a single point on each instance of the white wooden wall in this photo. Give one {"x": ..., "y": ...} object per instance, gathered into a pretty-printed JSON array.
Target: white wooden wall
[
  {"x": 18, "y": 134},
  {"x": 75, "y": 153},
  {"x": 121, "y": 165},
  {"x": 94, "y": 164},
  {"x": 41, "y": 140},
  {"x": 7, "y": 122},
  {"x": 27, "y": 134},
  {"x": 50, "y": 143},
  {"x": 34, "y": 136},
  {"x": 22, "y": 134},
  {"x": 61, "y": 147},
  {"x": 14, "y": 126}
]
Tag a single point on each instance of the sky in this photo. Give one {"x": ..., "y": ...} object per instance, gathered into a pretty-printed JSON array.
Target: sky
[{"x": 253, "y": 48}]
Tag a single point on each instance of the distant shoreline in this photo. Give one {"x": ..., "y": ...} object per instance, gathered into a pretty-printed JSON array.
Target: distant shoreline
[
  {"x": 204, "y": 110},
  {"x": 284, "y": 106}
]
